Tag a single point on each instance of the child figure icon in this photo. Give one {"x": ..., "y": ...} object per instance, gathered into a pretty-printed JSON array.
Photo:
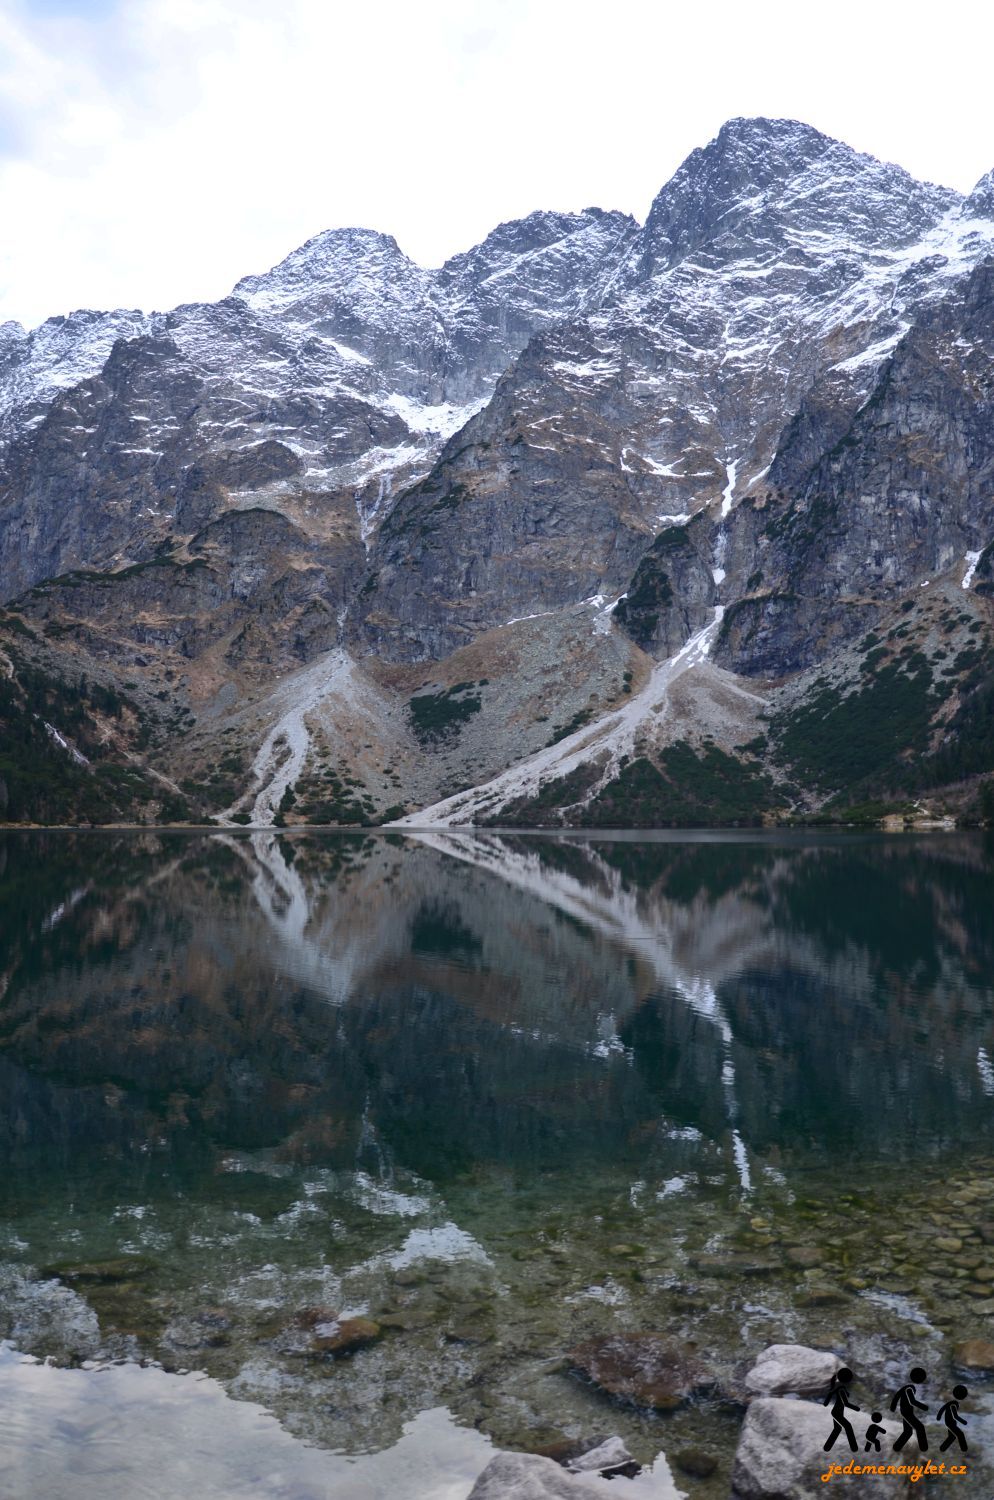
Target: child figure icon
[
  {"x": 949, "y": 1413},
  {"x": 874, "y": 1433}
]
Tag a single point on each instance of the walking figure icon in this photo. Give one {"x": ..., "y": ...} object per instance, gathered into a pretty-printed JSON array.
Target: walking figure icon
[
  {"x": 838, "y": 1395},
  {"x": 906, "y": 1403},
  {"x": 949, "y": 1413}
]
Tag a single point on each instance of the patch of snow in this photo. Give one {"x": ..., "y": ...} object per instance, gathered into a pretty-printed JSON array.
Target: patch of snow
[
  {"x": 971, "y": 559},
  {"x": 281, "y": 756},
  {"x": 351, "y": 356},
  {"x": 543, "y": 614},
  {"x": 587, "y": 369},
  {"x": 442, "y": 420},
  {"x": 665, "y": 471},
  {"x": 726, "y": 494},
  {"x": 874, "y": 353},
  {"x": 74, "y": 755}
]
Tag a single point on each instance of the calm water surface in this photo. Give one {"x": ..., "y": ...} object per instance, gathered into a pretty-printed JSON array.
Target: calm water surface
[{"x": 499, "y": 1094}]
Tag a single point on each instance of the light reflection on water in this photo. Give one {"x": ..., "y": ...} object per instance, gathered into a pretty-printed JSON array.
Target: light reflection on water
[
  {"x": 503, "y": 1092},
  {"x": 134, "y": 1430}
]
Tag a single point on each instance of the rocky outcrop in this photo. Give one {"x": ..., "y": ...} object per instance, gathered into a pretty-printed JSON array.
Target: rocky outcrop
[
  {"x": 518, "y": 516},
  {"x": 791, "y": 1369},
  {"x": 901, "y": 496},
  {"x": 250, "y": 582},
  {"x": 671, "y": 595}
]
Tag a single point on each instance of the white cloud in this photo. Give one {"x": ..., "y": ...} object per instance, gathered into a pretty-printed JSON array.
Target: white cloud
[{"x": 155, "y": 151}]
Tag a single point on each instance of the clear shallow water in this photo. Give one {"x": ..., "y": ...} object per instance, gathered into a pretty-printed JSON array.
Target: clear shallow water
[{"x": 500, "y": 1094}]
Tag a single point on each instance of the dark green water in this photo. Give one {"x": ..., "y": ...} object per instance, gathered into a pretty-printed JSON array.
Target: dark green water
[{"x": 500, "y": 1094}]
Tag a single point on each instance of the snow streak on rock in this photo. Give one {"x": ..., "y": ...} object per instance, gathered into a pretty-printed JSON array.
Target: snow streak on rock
[
  {"x": 281, "y": 757},
  {"x": 617, "y": 734}
]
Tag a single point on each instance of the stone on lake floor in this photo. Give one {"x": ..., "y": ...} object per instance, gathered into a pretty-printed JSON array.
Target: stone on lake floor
[
  {"x": 98, "y": 1272},
  {"x": 822, "y": 1296},
  {"x": 736, "y": 1265},
  {"x": 792, "y": 1369},
  {"x": 609, "y": 1458},
  {"x": 408, "y": 1319},
  {"x": 975, "y": 1356},
  {"x": 309, "y": 1317},
  {"x": 344, "y": 1336},
  {"x": 696, "y": 1462},
  {"x": 804, "y": 1255},
  {"x": 781, "y": 1453},
  {"x": 208, "y": 1328},
  {"x": 644, "y": 1368}
]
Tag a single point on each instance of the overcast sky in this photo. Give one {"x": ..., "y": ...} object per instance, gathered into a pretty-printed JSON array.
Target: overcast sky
[{"x": 154, "y": 151}]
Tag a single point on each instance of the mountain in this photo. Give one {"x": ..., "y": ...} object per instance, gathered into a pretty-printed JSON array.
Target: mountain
[{"x": 596, "y": 521}]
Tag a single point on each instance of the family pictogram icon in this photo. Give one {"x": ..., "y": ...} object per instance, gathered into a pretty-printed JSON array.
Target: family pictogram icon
[{"x": 905, "y": 1403}]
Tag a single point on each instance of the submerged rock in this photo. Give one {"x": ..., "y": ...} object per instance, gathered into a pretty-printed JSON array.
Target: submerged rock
[
  {"x": 208, "y": 1328},
  {"x": 644, "y": 1368},
  {"x": 343, "y": 1336},
  {"x": 976, "y": 1356},
  {"x": 736, "y": 1265},
  {"x": 696, "y": 1462},
  {"x": 804, "y": 1255},
  {"x": 791, "y": 1369},
  {"x": 98, "y": 1272},
  {"x": 609, "y": 1458},
  {"x": 526, "y": 1476}
]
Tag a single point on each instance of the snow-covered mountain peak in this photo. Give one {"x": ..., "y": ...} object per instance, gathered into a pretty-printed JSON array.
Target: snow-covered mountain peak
[
  {"x": 980, "y": 203},
  {"x": 357, "y": 264},
  {"x": 58, "y": 354},
  {"x": 532, "y": 235},
  {"x": 763, "y": 186}
]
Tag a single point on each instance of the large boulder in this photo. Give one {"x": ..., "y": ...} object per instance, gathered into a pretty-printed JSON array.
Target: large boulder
[
  {"x": 781, "y": 1453},
  {"x": 791, "y": 1369},
  {"x": 645, "y": 1368}
]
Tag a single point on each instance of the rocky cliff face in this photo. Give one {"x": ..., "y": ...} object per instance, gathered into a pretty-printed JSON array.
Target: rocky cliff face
[
  {"x": 897, "y": 498},
  {"x": 761, "y": 422}
]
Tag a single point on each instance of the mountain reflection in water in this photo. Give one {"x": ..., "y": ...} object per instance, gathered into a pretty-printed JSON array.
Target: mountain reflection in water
[
  {"x": 493, "y": 998},
  {"x": 499, "y": 1094}
]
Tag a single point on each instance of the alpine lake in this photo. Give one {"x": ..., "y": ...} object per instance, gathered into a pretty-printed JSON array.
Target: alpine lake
[{"x": 475, "y": 1099}]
